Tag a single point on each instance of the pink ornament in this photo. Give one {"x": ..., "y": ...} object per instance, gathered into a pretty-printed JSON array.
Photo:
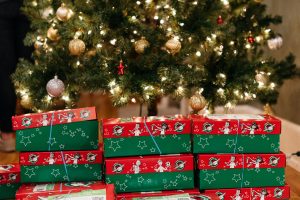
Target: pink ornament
[{"x": 55, "y": 87}]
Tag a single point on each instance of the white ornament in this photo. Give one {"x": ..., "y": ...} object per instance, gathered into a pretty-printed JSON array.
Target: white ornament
[
  {"x": 47, "y": 12},
  {"x": 275, "y": 43},
  {"x": 55, "y": 87}
]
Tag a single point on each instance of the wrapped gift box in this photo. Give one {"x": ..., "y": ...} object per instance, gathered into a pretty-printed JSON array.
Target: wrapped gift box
[
  {"x": 146, "y": 136},
  {"x": 57, "y": 131},
  {"x": 61, "y": 166},
  {"x": 150, "y": 173},
  {"x": 67, "y": 116},
  {"x": 168, "y": 195},
  {"x": 235, "y": 134},
  {"x": 240, "y": 170},
  {"x": 267, "y": 193},
  {"x": 65, "y": 191},
  {"x": 9, "y": 180}
]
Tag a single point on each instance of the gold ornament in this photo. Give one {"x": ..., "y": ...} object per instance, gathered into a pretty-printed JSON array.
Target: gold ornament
[
  {"x": 268, "y": 109},
  {"x": 52, "y": 34},
  {"x": 64, "y": 13},
  {"x": 197, "y": 102},
  {"x": 38, "y": 44},
  {"x": 46, "y": 12},
  {"x": 91, "y": 53},
  {"x": 26, "y": 102},
  {"x": 262, "y": 79},
  {"x": 76, "y": 47},
  {"x": 141, "y": 45},
  {"x": 173, "y": 46}
]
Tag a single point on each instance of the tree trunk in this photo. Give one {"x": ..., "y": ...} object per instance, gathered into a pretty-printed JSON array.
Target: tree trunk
[{"x": 152, "y": 107}]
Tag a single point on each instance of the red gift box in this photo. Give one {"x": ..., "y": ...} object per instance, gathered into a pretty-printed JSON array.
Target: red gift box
[
  {"x": 41, "y": 191},
  {"x": 235, "y": 124},
  {"x": 267, "y": 193},
  {"x": 9, "y": 173},
  {"x": 194, "y": 194},
  {"x": 116, "y": 127},
  {"x": 53, "y": 118}
]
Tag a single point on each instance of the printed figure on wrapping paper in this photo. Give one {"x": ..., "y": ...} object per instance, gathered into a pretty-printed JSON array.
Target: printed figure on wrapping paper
[
  {"x": 237, "y": 195},
  {"x": 12, "y": 177},
  {"x": 257, "y": 162},
  {"x": 6, "y": 167},
  {"x": 85, "y": 114},
  {"x": 33, "y": 158},
  {"x": 164, "y": 127},
  {"x": 136, "y": 131},
  {"x": 226, "y": 130},
  {"x": 221, "y": 195},
  {"x": 274, "y": 161},
  {"x": 232, "y": 163},
  {"x": 51, "y": 160},
  {"x": 44, "y": 121},
  {"x": 160, "y": 168},
  {"x": 118, "y": 168},
  {"x": 252, "y": 128},
  {"x": 74, "y": 158},
  {"x": 78, "y": 184},
  {"x": 278, "y": 193},
  {"x": 259, "y": 195},
  {"x": 91, "y": 157},
  {"x": 68, "y": 117},
  {"x": 136, "y": 167}
]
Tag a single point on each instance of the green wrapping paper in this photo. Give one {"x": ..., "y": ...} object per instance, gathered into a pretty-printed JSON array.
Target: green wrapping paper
[
  {"x": 8, "y": 191},
  {"x": 73, "y": 136},
  {"x": 236, "y": 143}
]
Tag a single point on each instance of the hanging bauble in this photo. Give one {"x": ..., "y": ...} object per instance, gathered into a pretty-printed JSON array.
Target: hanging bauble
[
  {"x": 76, "y": 47},
  {"x": 141, "y": 45},
  {"x": 173, "y": 46},
  {"x": 262, "y": 79},
  {"x": 64, "y": 13},
  {"x": 91, "y": 53},
  {"x": 251, "y": 39},
  {"x": 268, "y": 110},
  {"x": 197, "y": 102},
  {"x": 275, "y": 43},
  {"x": 26, "y": 102},
  {"x": 55, "y": 87},
  {"x": 52, "y": 34},
  {"x": 45, "y": 13},
  {"x": 38, "y": 44},
  {"x": 220, "y": 20},
  {"x": 121, "y": 68}
]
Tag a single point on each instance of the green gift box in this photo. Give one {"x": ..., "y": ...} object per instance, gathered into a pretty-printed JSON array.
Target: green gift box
[
  {"x": 235, "y": 134},
  {"x": 216, "y": 171},
  {"x": 150, "y": 173},
  {"x": 8, "y": 191},
  {"x": 139, "y": 136},
  {"x": 61, "y": 166},
  {"x": 73, "y": 136}
]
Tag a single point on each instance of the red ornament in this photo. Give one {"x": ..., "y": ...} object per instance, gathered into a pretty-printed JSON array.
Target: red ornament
[
  {"x": 251, "y": 39},
  {"x": 220, "y": 20},
  {"x": 121, "y": 68}
]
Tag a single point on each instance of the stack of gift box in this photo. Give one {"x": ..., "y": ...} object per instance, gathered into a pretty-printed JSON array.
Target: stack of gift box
[
  {"x": 57, "y": 150},
  {"x": 213, "y": 157}
]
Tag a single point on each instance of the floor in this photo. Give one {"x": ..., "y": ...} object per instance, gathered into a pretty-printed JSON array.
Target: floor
[{"x": 292, "y": 175}]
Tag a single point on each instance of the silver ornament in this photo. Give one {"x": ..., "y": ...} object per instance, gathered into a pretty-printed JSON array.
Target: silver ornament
[
  {"x": 275, "y": 43},
  {"x": 55, "y": 87},
  {"x": 47, "y": 12}
]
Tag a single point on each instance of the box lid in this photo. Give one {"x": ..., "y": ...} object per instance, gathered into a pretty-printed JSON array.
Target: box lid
[
  {"x": 38, "y": 191},
  {"x": 35, "y": 120},
  {"x": 240, "y": 161},
  {"x": 144, "y": 126},
  {"x": 9, "y": 173},
  {"x": 266, "y": 193},
  {"x": 61, "y": 157},
  {"x": 149, "y": 164},
  {"x": 235, "y": 124}
]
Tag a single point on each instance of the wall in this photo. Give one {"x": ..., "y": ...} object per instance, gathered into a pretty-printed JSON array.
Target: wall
[{"x": 288, "y": 105}]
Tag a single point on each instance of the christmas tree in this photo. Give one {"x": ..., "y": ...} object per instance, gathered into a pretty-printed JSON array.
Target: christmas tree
[{"x": 137, "y": 51}]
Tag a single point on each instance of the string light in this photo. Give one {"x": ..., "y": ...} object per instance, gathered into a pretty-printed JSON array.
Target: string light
[
  {"x": 133, "y": 100},
  {"x": 113, "y": 41},
  {"x": 198, "y": 53}
]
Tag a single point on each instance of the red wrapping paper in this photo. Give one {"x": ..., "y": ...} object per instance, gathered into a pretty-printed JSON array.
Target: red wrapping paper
[
  {"x": 9, "y": 173},
  {"x": 240, "y": 161},
  {"x": 38, "y": 191},
  {"x": 268, "y": 193},
  {"x": 125, "y": 127},
  {"x": 54, "y": 117},
  {"x": 235, "y": 124},
  {"x": 149, "y": 164}
]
